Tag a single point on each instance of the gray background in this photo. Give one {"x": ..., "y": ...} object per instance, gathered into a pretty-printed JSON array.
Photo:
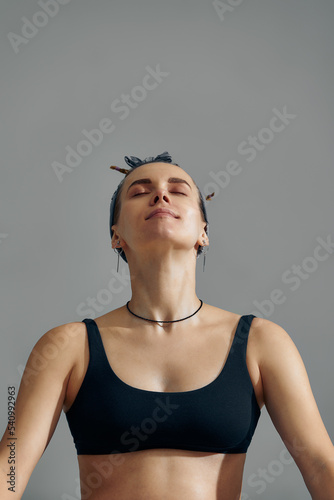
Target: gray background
[{"x": 225, "y": 76}]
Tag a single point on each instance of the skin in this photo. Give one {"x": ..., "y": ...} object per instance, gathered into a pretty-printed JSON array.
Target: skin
[{"x": 161, "y": 253}]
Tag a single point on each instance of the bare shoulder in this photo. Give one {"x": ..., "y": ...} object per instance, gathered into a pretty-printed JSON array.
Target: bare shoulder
[
  {"x": 271, "y": 340},
  {"x": 268, "y": 328},
  {"x": 269, "y": 344},
  {"x": 264, "y": 334},
  {"x": 62, "y": 336},
  {"x": 58, "y": 347},
  {"x": 280, "y": 363}
]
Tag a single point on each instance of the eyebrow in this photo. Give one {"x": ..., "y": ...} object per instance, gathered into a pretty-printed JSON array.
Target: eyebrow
[{"x": 171, "y": 180}]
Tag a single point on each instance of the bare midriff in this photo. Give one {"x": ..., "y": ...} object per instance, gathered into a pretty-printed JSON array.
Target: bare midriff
[{"x": 161, "y": 474}]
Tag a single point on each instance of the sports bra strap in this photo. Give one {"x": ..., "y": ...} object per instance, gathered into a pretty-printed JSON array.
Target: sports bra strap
[
  {"x": 96, "y": 349},
  {"x": 242, "y": 333}
]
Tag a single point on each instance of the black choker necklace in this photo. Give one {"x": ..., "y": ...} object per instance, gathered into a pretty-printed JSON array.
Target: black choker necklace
[{"x": 160, "y": 323}]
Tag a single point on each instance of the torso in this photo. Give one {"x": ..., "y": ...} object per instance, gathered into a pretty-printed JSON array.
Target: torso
[{"x": 173, "y": 359}]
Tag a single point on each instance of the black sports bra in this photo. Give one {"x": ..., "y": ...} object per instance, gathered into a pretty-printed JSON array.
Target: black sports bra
[{"x": 109, "y": 416}]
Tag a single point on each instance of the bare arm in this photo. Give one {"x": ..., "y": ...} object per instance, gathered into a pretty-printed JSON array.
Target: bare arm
[
  {"x": 291, "y": 405},
  {"x": 38, "y": 405}
]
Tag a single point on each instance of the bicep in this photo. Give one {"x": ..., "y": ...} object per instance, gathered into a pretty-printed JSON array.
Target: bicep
[{"x": 290, "y": 401}]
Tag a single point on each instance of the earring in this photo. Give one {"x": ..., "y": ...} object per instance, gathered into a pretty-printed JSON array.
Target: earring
[
  {"x": 204, "y": 254},
  {"x": 115, "y": 250}
]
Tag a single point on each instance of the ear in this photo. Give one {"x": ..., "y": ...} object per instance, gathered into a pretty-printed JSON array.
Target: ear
[
  {"x": 116, "y": 241},
  {"x": 203, "y": 239}
]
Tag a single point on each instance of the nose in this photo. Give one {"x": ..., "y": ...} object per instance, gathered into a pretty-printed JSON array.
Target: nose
[{"x": 160, "y": 194}]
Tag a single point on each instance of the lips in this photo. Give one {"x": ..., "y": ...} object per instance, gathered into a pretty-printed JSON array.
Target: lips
[{"x": 162, "y": 211}]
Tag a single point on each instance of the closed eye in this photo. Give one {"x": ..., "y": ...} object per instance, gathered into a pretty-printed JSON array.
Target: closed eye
[{"x": 173, "y": 192}]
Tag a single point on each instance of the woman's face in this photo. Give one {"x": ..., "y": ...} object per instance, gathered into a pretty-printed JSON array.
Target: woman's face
[{"x": 159, "y": 208}]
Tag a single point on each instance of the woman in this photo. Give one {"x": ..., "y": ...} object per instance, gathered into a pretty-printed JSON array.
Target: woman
[{"x": 163, "y": 394}]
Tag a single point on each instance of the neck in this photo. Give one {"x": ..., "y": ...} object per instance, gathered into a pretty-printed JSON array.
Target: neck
[{"x": 163, "y": 288}]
